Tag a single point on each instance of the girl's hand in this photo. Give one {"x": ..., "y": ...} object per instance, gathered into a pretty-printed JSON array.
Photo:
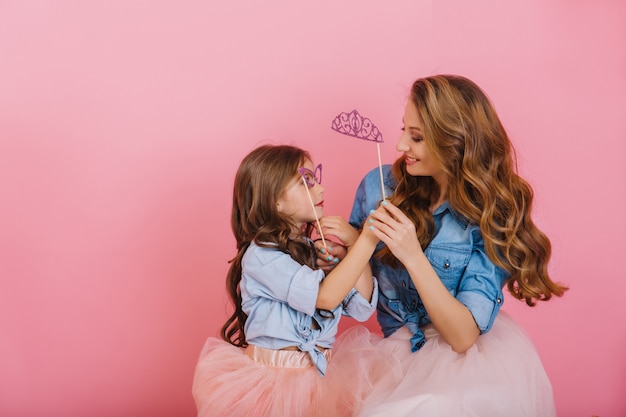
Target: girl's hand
[
  {"x": 337, "y": 226},
  {"x": 329, "y": 256},
  {"x": 333, "y": 253},
  {"x": 395, "y": 229}
]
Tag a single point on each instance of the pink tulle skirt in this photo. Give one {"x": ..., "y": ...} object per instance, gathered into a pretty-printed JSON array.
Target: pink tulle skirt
[
  {"x": 229, "y": 383},
  {"x": 501, "y": 375}
]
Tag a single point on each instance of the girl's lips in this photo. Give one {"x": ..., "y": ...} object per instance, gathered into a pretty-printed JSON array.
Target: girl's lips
[{"x": 320, "y": 204}]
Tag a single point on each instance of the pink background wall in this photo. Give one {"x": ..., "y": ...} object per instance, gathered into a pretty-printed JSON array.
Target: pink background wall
[{"x": 122, "y": 124}]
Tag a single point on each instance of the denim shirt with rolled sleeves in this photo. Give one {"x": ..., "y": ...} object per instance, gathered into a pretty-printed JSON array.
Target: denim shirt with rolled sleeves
[
  {"x": 279, "y": 295},
  {"x": 456, "y": 253}
]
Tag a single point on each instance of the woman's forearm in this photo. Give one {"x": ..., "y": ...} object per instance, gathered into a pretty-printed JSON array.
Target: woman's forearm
[{"x": 452, "y": 319}]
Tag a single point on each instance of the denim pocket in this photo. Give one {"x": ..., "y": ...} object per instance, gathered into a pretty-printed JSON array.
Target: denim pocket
[{"x": 449, "y": 263}]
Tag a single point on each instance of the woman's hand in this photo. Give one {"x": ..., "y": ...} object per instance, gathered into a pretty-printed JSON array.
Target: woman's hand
[
  {"x": 452, "y": 319},
  {"x": 395, "y": 229}
]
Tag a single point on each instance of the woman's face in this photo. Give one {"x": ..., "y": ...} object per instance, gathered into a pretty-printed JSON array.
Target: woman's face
[{"x": 419, "y": 160}]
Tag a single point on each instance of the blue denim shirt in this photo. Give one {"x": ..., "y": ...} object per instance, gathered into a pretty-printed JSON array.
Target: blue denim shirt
[
  {"x": 279, "y": 295},
  {"x": 456, "y": 253}
]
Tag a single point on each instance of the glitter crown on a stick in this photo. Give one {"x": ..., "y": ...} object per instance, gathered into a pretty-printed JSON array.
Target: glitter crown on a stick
[{"x": 353, "y": 124}]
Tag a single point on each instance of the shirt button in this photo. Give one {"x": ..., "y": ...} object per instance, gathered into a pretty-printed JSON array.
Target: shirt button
[
  {"x": 499, "y": 300},
  {"x": 446, "y": 265}
]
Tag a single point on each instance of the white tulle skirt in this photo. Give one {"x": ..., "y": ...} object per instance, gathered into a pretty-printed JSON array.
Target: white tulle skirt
[
  {"x": 501, "y": 375},
  {"x": 229, "y": 383}
]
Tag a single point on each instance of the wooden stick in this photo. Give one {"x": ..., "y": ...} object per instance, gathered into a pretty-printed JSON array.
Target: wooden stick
[
  {"x": 317, "y": 220},
  {"x": 380, "y": 168}
]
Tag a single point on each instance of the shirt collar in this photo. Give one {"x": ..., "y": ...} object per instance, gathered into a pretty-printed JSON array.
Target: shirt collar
[{"x": 446, "y": 207}]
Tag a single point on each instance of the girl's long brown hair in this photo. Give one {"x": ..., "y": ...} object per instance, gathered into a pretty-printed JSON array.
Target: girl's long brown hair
[
  {"x": 463, "y": 132},
  {"x": 261, "y": 178}
]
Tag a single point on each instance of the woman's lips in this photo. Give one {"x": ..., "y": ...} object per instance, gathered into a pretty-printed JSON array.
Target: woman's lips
[{"x": 409, "y": 160}]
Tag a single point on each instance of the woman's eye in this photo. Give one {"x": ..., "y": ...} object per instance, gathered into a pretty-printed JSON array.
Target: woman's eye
[{"x": 414, "y": 138}]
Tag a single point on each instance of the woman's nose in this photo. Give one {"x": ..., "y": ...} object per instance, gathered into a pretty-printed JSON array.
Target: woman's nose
[{"x": 402, "y": 145}]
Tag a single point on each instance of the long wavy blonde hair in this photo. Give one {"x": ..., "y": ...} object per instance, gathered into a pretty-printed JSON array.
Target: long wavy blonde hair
[{"x": 463, "y": 132}]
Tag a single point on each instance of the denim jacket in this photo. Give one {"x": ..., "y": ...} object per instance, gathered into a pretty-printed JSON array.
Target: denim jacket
[
  {"x": 456, "y": 253},
  {"x": 279, "y": 295}
]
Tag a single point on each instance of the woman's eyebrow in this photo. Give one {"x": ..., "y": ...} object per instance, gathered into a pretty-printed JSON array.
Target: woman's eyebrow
[{"x": 412, "y": 127}]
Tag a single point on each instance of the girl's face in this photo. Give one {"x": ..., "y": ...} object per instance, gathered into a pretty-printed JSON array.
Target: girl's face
[
  {"x": 419, "y": 160},
  {"x": 294, "y": 200}
]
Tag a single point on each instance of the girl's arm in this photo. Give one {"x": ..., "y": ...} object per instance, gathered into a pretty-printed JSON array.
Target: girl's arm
[
  {"x": 354, "y": 270},
  {"x": 452, "y": 319}
]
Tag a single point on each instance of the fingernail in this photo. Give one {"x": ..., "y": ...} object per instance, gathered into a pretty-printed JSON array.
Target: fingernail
[
  {"x": 336, "y": 260},
  {"x": 371, "y": 221},
  {"x": 385, "y": 202},
  {"x": 329, "y": 258},
  {"x": 330, "y": 248},
  {"x": 323, "y": 250},
  {"x": 372, "y": 211},
  {"x": 371, "y": 227}
]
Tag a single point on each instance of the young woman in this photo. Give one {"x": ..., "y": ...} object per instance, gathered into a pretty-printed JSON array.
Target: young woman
[{"x": 455, "y": 231}]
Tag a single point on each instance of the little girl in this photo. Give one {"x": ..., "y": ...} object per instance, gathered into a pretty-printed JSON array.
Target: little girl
[{"x": 275, "y": 359}]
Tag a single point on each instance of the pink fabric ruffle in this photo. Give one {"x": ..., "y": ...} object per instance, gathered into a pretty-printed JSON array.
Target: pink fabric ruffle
[
  {"x": 228, "y": 383},
  {"x": 501, "y": 375}
]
